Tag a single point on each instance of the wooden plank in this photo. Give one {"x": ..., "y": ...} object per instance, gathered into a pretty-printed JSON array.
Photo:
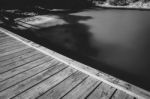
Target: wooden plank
[
  {"x": 46, "y": 85},
  {"x": 16, "y": 54},
  {"x": 1, "y": 33},
  {"x": 5, "y": 45},
  {"x": 16, "y": 59},
  {"x": 29, "y": 83},
  {"x": 103, "y": 91},
  {"x": 20, "y": 63},
  {"x": 21, "y": 69},
  {"x": 11, "y": 48},
  {"x": 14, "y": 51},
  {"x": 24, "y": 75},
  {"x": 82, "y": 90},
  {"x": 12, "y": 41},
  {"x": 5, "y": 48},
  {"x": 3, "y": 36},
  {"x": 121, "y": 95},
  {"x": 6, "y": 40},
  {"x": 21, "y": 57},
  {"x": 65, "y": 86}
]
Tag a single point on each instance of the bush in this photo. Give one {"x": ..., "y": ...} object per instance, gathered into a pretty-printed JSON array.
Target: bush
[{"x": 118, "y": 2}]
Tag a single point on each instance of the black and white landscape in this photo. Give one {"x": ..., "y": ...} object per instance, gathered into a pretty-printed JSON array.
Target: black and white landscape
[{"x": 115, "y": 41}]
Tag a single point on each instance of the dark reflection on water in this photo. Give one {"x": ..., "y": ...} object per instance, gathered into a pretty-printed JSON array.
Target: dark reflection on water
[{"x": 114, "y": 41}]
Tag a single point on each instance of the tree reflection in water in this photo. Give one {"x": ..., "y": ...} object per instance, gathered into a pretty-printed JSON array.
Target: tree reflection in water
[
  {"x": 74, "y": 36},
  {"x": 72, "y": 39}
]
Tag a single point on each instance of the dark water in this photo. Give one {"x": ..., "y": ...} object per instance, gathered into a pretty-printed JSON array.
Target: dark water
[
  {"x": 122, "y": 39},
  {"x": 116, "y": 42}
]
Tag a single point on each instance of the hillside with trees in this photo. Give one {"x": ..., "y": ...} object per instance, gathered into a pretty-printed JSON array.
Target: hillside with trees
[{"x": 139, "y": 4}]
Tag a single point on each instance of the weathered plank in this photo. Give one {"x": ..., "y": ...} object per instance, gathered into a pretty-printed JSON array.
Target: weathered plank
[
  {"x": 46, "y": 85},
  {"x": 13, "y": 51},
  {"x": 24, "y": 75},
  {"x": 2, "y": 34},
  {"x": 5, "y": 45},
  {"x": 82, "y": 90},
  {"x": 103, "y": 91},
  {"x": 21, "y": 69},
  {"x": 16, "y": 54},
  {"x": 11, "y": 48},
  {"x": 121, "y": 95},
  {"x": 21, "y": 57},
  {"x": 65, "y": 86},
  {"x": 6, "y": 39},
  {"x": 24, "y": 85},
  {"x": 20, "y": 63}
]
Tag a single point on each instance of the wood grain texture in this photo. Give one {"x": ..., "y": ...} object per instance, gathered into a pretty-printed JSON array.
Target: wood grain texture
[
  {"x": 5, "y": 45},
  {"x": 82, "y": 90},
  {"x": 103, "y": 91},
  {"x": 30, "y": 82},
  {"x": 20, "y": 63},
  {"x": 121, "y": 95},
  {"x": 13, "y": 51},
  {"x": 6, "y": 40},
  {"x": 21, "y": 69},
  {"x": 10, "y": 48},
  {"x": 16, "y": 54},
  {"x": 64, "y": 87},
  {"x": 16, "y": 59},
  {"x": 24, "y": 75},
  {"x": 46, "y": 85}
]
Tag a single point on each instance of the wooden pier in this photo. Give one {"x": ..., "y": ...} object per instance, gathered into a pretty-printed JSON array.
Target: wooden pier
[{"x": 31, "y": 71}]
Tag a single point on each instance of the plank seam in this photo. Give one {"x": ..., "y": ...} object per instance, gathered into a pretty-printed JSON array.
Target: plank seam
[
  {"x": 29, "y": 78},
  {"x": 38, "y": 83},
  {"x": 74, "y": 87},
  {"x": 29, "y": 52},
  {"x": 56, "y": 85},
  {"x": 113, "y": 93},
  {"x": 14, "y": 56},
  {"x": 12, "y": 52},
  {"x": 26, "y": 70},
  {"x": 35, "y": 54},
  {"x": 93, "y": 90},
  {"x": 21, "y": 65}
]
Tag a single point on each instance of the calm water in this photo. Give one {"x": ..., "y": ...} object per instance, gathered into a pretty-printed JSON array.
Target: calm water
[{"x": 114, "y": 41}]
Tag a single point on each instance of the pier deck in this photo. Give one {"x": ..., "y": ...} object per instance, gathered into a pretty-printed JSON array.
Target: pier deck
[{"x": 31, "y": 71}]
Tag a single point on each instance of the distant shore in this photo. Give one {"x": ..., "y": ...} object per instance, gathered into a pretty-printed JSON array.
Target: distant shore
[{"x": 136, "y": 6}]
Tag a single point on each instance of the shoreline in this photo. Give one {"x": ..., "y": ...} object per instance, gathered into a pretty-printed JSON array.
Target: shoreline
[{"x": 128, "y": 7}]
